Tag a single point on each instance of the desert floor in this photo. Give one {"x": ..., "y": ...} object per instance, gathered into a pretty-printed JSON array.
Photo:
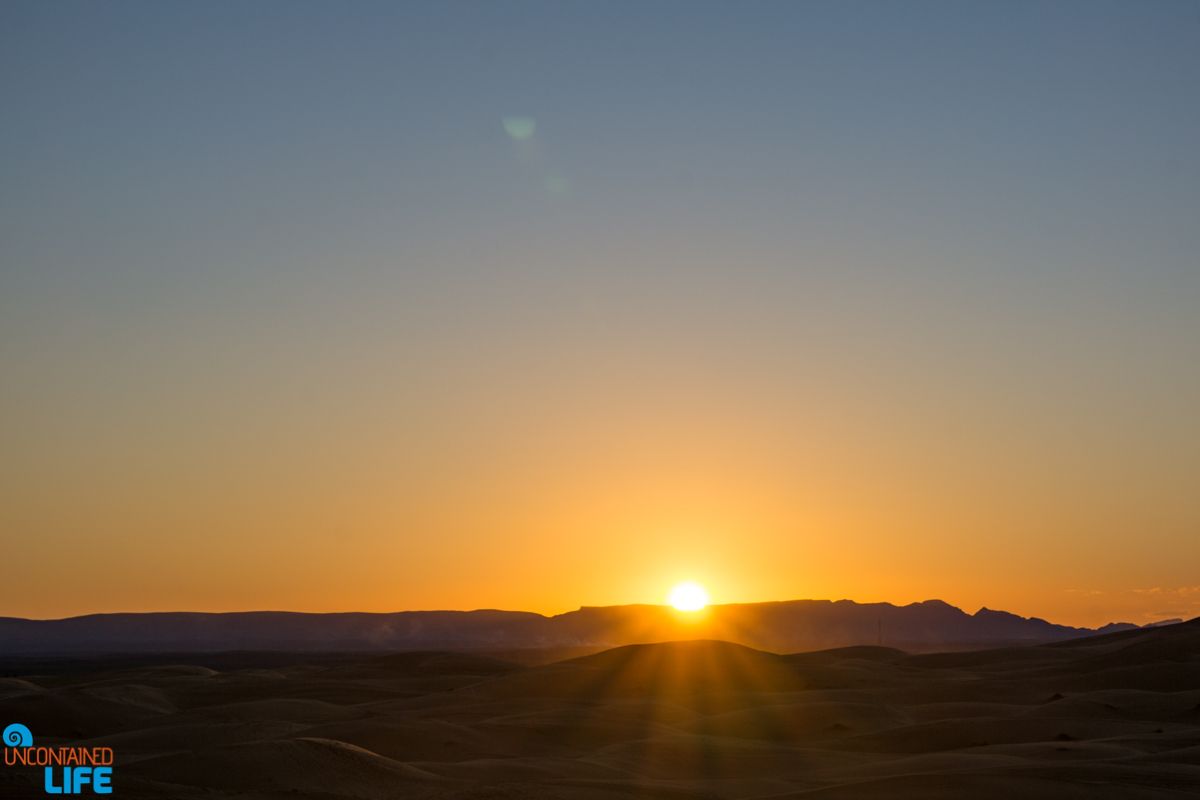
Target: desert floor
[{"x": 1114, "y": 716}]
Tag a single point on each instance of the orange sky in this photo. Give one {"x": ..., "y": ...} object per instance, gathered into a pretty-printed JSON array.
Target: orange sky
[{"x": 483, "y": 486}]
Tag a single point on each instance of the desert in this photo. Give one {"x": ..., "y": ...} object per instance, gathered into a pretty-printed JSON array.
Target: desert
[
  {"x": 1105, "y": 716},
  {"x": 604, "y": 399}
]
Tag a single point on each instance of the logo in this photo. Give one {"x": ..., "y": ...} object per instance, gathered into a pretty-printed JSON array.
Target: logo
[
  {"x": 78, "y": 767},
  {"x": 17, "y": 735}
]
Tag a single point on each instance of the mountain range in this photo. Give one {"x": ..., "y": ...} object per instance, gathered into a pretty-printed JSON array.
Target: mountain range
[{"x": 782, "y": 627}]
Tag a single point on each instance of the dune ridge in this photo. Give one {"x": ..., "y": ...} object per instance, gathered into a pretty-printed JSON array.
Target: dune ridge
[{"x": 1115, "y": 715}]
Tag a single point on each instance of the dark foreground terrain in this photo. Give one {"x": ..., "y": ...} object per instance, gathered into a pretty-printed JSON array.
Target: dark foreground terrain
[{"x": 1114, "y": 716}]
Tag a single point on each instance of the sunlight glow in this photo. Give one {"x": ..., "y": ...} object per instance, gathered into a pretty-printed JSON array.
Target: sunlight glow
[{"x": 688, "y": 596}]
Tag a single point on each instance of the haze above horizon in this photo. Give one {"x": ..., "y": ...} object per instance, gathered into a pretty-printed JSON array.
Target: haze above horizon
[{"x": 467, "y": 305}]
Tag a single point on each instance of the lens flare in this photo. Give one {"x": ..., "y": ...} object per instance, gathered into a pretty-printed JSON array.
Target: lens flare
[
  {"x": 520, "y": 127},
  {"x": 688, "y": 596}
]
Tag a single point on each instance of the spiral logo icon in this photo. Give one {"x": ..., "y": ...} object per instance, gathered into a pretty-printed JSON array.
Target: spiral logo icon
[{"x": 17, "y": 735}]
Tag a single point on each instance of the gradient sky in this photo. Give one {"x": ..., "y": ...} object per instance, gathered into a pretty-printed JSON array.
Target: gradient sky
[{"x": 876, "y": 301}]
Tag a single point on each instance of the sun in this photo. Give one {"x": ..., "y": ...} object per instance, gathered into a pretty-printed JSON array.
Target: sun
[{"x": 688, "y": 596}]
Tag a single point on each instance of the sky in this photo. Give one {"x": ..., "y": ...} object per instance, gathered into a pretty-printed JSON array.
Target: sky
[{"x": 381, "y": 306}]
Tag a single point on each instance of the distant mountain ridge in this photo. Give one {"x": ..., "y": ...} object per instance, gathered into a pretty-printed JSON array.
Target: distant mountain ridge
[{"x": 782, "y": 627}]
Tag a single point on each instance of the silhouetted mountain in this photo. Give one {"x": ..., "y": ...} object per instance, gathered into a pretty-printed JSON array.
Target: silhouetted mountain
[{"x": 783, "y": 627}]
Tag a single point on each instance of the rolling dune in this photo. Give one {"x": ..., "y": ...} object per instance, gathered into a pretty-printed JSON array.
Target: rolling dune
[{"x": 1112, "y": 716}]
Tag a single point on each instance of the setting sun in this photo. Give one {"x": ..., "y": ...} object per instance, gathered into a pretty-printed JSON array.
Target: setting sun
[{"x": 688, "y": 596}]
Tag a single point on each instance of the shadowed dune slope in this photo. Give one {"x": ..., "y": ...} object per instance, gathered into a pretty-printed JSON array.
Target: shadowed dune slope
[{"x": 1113, "y": 716}]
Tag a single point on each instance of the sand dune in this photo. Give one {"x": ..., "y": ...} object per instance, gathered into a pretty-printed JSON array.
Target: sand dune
[{"x": 1113, "y": 716}]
